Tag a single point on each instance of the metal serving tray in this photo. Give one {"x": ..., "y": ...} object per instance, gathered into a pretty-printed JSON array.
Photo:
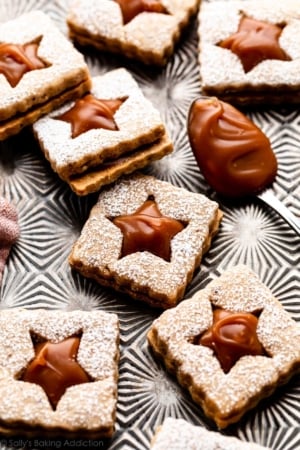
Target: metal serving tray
[{"x": 37, "y": 274}]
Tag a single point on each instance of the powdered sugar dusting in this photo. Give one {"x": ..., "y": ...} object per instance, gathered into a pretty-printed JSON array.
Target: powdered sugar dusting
[
  {"x": 177, "y": 434},
  {"x": 66, "y": 65},
  {"x": 89, "y": 406},
  {"x": 99, "y": 246},
  {"x": 102, "y": 24},
  {"x": 218, "y": 20},
  {"x": 137, "y": 120},
  {"x": 225, "y": 397}
]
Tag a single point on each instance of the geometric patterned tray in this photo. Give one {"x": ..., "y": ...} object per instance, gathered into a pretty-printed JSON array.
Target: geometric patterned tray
[{"x": 37, "y": 274}]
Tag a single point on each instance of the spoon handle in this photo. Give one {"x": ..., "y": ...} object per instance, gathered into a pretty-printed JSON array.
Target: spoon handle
[{"x": 271, "y": 200}]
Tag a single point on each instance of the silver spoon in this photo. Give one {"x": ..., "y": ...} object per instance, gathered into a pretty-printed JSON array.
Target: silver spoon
[
  {"x": 268, "y": 197},
  {"x": 207, "y": 110}
]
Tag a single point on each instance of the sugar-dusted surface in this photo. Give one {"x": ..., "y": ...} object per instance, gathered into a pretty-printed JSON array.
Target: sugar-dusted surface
[
  {"x": 221, "y": 69},
  {"x": 67, "y": 67},
  {"x": 51, "y": 217},
  {"x": 89, "y": 407},
  {"x": 137, "y": 120},
  {"x": 98, "y": 249},
  {"x": 102, "y": 26},
  {"x": 177, "y": 434},
  {"x": 226, "y": 397}
]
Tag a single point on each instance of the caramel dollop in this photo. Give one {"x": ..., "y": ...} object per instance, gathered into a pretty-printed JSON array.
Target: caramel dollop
[
  {"x": 233, "y": 154},
  {"x": 90, "y": 113},
  {"x": 16, "y": 60},
  {"x": 131, "y": 8},
  {"x": 55, "y": 368},
  {"x": 148, "y": 230},
  {"x": 255, "y": 41},
  {"x": 231, "y": 336}
]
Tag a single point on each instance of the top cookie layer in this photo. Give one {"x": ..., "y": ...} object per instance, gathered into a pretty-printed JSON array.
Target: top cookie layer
[
  {"x": 65, "y": 69},
  {"x": 177, "y": 434},
  {"x": 225, "y": 397},
  {"x": 137, "y": 120},
  {"x": 222, "y": 72},
  {"x": 145, "y": 276},
  {"x": 88, "y": 408},
  {"x": 149, "y": 37}
]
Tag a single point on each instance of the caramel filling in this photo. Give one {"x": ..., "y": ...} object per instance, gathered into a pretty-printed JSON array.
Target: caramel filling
[
  {"x": 231, "y": 336},
  {"x": 90, "y": 113},
  {"x": 16, "y": 60},
  {"x": 255, "y": 41},
  {"x": 131, "y": 8},
  {"x": 233, "y": 154},
  {"x": 55, "y": 368},
  {"x": 148, "y": 230}
]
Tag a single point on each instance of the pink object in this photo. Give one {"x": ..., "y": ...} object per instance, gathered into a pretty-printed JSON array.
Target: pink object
[{"x": 9, "y": 231}]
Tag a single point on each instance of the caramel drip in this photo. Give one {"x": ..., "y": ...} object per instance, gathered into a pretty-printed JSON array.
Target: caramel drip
[
  {"x": 131, "y": 8},
  {"x": 90, "y": 113},
  {"x": 233, "y": 154},
  {"x": 231, "y": 336},
  {"x": 148, "y": 230},
  {"x": 55, "y": 368},
  {"x": 16, "y": 60},
  {"x": 254, "y": 42}
]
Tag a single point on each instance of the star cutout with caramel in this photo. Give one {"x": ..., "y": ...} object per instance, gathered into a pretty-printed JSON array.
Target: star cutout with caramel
[
  {"x": 131, "y": 8},
  {"x": 55, "y": 368},
  {"x": 90, "y": 113},
  {"x": 16, "y": 60},
  {"x": 231, "y": 336},
  {"x": 148, "y": 230},
  {"x": 254, "y": 42}
]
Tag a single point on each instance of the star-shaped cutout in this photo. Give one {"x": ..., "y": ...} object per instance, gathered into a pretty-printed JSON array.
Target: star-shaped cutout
[
  {"x": 231, "y": 336},
  {"x": 55, "y": 368},
  {"x": 90, "y": 112},
  {"x": 131, "y": 8},
  {"x": 16, "y": 60},
  {"x": 254, "y": 42},
  {"x": 148, "y": 230}
]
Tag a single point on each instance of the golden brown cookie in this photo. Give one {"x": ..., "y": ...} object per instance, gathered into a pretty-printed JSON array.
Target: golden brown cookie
[
  {"x": 190, "y": 341},
  {"x": 144, "y": 274},
  {"x": 249, "y": 51},
  {"x": 146, "y": 31},
  {"x": 175, "y": 434},
  {"x": 87, "y": 407},
  {"x": 87, "y": 153},
  {"x": 35, "y": 74}
]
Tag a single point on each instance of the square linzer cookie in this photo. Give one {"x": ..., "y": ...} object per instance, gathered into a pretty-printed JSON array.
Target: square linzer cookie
[
  {"x": 145, "y": 237},
  {"x": 249, "y": 51},
  {"x": 111, "y": 131},
  {"x": 144, "y": 30},
  {"x": 178, "y": 434},
  {"x": 58, "y": 373},
  {"x": 39, "y": 71},
  {"x": 231, "y": 344}
]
